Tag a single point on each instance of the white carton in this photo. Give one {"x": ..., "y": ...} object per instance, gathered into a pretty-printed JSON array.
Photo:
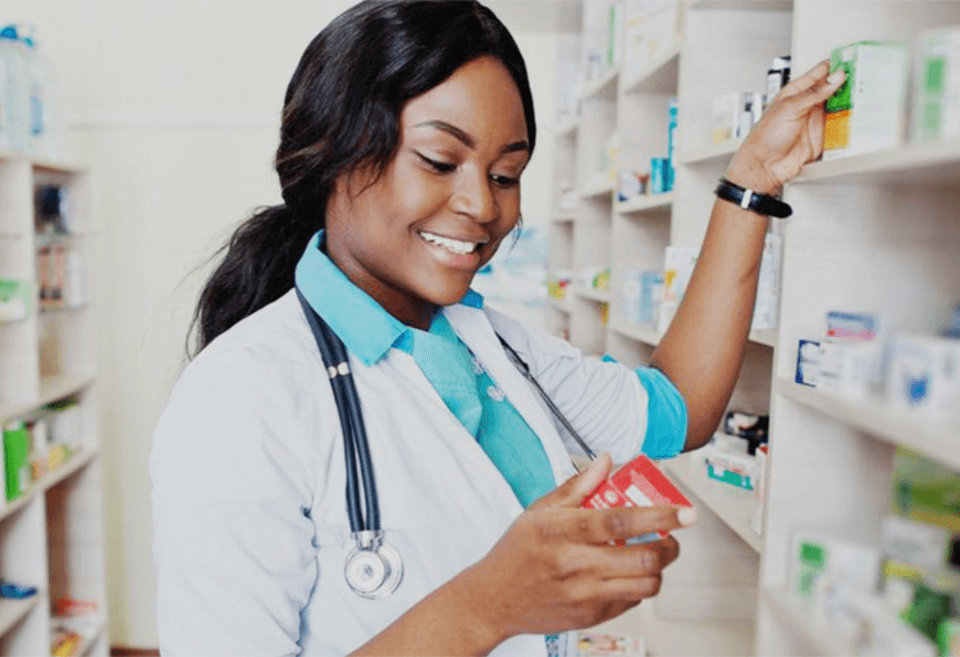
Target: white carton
[
  {"x": 936, "y": 111},
  {"x": 924, "y": 376}
]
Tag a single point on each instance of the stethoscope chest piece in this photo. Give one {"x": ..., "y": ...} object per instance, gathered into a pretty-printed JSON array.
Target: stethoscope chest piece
[{"x": 373, "y": 569}]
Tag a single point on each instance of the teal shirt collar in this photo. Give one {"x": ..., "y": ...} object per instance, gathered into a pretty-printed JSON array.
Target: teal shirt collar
[{"x": 367, "y": 330}]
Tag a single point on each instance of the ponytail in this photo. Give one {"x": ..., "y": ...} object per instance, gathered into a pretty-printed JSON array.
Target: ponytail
[{"x": 258, "y": 268}]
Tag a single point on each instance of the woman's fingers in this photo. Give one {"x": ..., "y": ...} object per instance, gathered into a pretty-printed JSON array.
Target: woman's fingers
[
  {"x": 622, "y": 523},
  {"x": 819, "y": 92},
  {"x": 644, "y": 560},
  {"x": 805, "y": 81},
  {"x": 571, "y": 493}
]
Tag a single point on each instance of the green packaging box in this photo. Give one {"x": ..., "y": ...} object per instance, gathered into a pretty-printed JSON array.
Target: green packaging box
[
  {"x": 16, "y": 459},
  {"x": 16, "y": 299},
  {"x": 868, "y": 112},
  {"x": 936, "y": 111}
]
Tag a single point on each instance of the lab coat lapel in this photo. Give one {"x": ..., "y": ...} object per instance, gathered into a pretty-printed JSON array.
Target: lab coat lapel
[{"x": 473, "y": 327}]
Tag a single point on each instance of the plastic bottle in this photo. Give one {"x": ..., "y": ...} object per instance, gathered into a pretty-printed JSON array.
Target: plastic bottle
[
  {"x": 43, "y": 120},
  {"x": 16, "y": 93}
]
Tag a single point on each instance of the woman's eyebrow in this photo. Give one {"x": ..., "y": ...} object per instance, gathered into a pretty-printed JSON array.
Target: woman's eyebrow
[{"x": 466, "y": 139}]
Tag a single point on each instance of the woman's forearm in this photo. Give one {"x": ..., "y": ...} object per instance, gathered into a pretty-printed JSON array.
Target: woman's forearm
[
  {"x": 703, "y": 349},
  {"x": 450, "y": 621}
]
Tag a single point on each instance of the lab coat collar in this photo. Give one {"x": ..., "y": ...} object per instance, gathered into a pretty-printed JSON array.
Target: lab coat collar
[{"x": 367, "y": 330}]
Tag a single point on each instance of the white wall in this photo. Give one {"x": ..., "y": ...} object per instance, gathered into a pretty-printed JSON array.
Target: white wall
[{"x": 174, "y": 106}]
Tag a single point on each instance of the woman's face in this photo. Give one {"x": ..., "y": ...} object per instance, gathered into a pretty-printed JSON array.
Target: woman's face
[{"x": 415, "y": 237}]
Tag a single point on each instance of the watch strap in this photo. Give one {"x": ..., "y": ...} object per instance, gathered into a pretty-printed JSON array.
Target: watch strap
[{"x": 754, "y": 201}]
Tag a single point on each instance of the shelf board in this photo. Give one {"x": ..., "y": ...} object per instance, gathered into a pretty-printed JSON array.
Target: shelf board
[
  {"x": 732, "y": 505},
  {"x": 603, "y": 87},
  {"x": 12, "y": 611},
  {"x": 75, "y": 463},
  {"x": 67, "y": 238},
  {"x": 600, "y": 185},
  {"x": 659, "y": 76},
  {"x": 41, "y": 163},
  {"x": 86, "y": 644},
  {"x": 593, "y": 294},
  {"x": 811, "y": 629},
  {"x": 712, "y": 153},
  {"x": 743, "y": 5},
  {"x": 51, "y": 389},
  {"x": 927, "y": 165},
  {"x": 645, "y": 334},
  {"x": 766, "y": 337},
  {"x": 645, "y": 203},
  {"x": 936, "y": 441},
  {"x": 564, "y": 217},
  {"x": 567, "y": 129},
  {"x": 53, "y": 310},
  {"x": 563, "y": 305}
]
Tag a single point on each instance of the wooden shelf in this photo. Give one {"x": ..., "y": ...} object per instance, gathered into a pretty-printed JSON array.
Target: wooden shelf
[
  {"x": 767, "y": 337},
  {"x": 936, "y": 441},
  {"x": 644, "y": 334},
  {"x": 51, "y": 389},
  {"x": 743, "y": 5},
  {"x": 593, "y": 294},
  {"x": 600, "y": 185},
  {"x": 712, "y": 153},
  {"x": 603, "y": 87},
  {"x": 645, "y": 203},
  {"x": 732, "y": 505},
  {"x": 807, "y": 627},
  {"x": 659, "y": 76},
  {"x": 563, "y": 305},
  {"x": 929, "y": 165},
  {"x": 567, "y": 129},
  {"x": 12, "y": 610},
  {"x": 43, "y": 164},
  {"x": 75, "y": 463}
]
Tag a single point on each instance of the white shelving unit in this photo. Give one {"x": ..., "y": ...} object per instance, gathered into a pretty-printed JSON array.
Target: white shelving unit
[
  {"x": 877, "y": 232},
  {"x": 51, "y": 537}
]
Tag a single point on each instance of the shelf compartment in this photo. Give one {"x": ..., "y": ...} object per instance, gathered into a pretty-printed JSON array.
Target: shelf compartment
[
  {"x": 603, "y": 87},
  {"x": 592, "y": 294},
  {"x": 808, "y": 628},
  {"x": 563, "y": 305},
  {"x": 12, "y": 611},
  {"x": 599, "y": 185},
  {"x": 646, "y": 203},
  {"x": 926, "y": 165},
  {"x": 75, "y": 463},
  {"x": 659, "y": 76},
  {"x": 732, "y": 505},
  {"x": 567, "y": 129},
  {"x": 644, "y": 334},
  {"x": 936, "y": 441},
  {"x": 743, "y": 5},
  {"x": 44, "y": 164},
  {"x": 51, "y": 389},
  {"x": 711, "y": 153}
]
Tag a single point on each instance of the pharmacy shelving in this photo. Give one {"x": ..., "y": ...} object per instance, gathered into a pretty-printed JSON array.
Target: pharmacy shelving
[
  {"x": 812, "y": 632},
  {"x": 743, "y": 5},
  {"x": 874, "y": 418},
  {"x": 643, "y": 333},
  {"x": 711, "y": 153},
  {"x": 591, "y": 293},
  {"x": 567, "y": 129},
  {"x": 645, "y": 203},
  {"x": 926, "y": 165},
  {"x": 732, "y": 505},
  {"x": 599, "y": 186},
  {"x": 658, "y": 76},
  {"x": 604, "y": 86},
  {"x": 51, "y": 536},
  {"x": 564, "y": 218},
  {"x": 563, "y": 305}
]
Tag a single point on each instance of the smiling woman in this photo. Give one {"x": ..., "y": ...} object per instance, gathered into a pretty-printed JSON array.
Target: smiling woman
[{"x": 406, "y": 129}]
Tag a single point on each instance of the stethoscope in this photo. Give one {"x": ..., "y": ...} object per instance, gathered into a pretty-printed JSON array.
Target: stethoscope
[{"x": 373, "y": 569}]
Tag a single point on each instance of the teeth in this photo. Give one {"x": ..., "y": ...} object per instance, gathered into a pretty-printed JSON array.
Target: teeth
[{"x": 450, "y": 244}]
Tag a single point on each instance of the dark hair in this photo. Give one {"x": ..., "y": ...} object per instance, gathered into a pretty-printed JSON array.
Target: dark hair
[{"x": 342, "y": 112}]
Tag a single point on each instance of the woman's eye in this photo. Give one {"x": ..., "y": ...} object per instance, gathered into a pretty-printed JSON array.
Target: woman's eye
[
  {"x": 439, "y": 167},
  {"x": 505, "y": 181}
]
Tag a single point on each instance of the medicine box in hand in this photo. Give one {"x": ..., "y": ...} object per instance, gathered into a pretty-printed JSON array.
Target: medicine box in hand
[
  {"x": 638, "y": 483},
  {"x": 868, "y": 112}
]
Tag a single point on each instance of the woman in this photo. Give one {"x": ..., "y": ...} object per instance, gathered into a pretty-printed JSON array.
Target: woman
[{"x": 406, "y": 129}]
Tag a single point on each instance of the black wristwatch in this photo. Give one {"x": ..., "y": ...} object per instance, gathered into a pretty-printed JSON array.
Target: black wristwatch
[{"x": 753, "y": 201}]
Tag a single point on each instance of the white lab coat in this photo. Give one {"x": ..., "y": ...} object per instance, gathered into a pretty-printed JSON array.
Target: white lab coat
[{"x": 250, "y": 525}]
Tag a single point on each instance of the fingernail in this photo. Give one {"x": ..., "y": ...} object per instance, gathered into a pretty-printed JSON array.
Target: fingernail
[
  {"x": 836, "y": 76},
  {"x": 686, "y": 516}
]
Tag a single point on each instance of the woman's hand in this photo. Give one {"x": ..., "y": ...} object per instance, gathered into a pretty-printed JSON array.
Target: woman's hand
[
  {"x": 555, "y": 571},
  {"x": 789, "y": 135}
]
